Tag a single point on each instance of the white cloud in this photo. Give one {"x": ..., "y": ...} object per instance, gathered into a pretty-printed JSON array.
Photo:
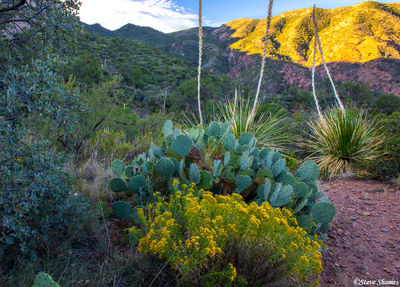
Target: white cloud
[{"x": 163, "y": 15}]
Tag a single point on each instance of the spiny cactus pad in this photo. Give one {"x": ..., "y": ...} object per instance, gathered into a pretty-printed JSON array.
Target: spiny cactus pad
[
  {"x": 301, "y": 190},
  {"x": 278, "y": 166},
  {"x": 229, "y": 142},
  {"x": 182, "y": 145},
  {"x": 323, "y": 212},
  {"x": 166, "y": 167},
  {"x": 117, "y": 185},
  {"x": 246, "y": 139},
  {"x": 122, "y": 210},
  {"x": 213, "y": 129},
  {"x": 281, "y": 196},
  {"x": 168, "y": 128},
  {"x": 242, "y": 182},
  {"x": 130, "y": 171},
  {"x": 194, "y": 173},
  {"x": 308, "y": 171},
  {"x": 118, "y": 167},
  {"x": 137, "y": 182},
  {"x": 44, "y": 280}
]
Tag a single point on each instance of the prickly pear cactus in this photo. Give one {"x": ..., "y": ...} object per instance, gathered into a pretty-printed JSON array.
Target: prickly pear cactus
[
  {"x": 44, "y": 280},
  {"x": 215, "y": 160},
  {"x": 122, "y": 210}
]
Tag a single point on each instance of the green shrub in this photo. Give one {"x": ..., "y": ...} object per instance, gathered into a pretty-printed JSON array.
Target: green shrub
[
  {"x": 388, "y": 166},
  {"x": 37, "y": 199},
  {"x": 387, "y": 104},
  {"x": 345, "y": 141},
  {"x": 221, "y": 240},
  {"x": 216, "y": 161}
]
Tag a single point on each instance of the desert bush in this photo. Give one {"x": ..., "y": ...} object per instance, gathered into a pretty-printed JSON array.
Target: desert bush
[
  {"x": 344, "y": 141},
  {"x": 221, "y": 239},
  {"x": 388, "y": 165},
  {"x": 109, "y": 144},
  {"x": 217, "y": 162},
  {"x": 37, "y": 200},
  {"x": 271, "y": 125},
  {"x": 387, "y": 104}
]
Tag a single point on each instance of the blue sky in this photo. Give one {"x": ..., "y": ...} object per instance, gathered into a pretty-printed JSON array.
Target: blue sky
[{"x": 173, "y": 15}]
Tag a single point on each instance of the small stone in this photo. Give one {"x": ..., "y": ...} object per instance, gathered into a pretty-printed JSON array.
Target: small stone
[
  {"x": 353, "y": 218},
  {"x": 384, "y": 229},
  {"x": 366, "y": 213}
]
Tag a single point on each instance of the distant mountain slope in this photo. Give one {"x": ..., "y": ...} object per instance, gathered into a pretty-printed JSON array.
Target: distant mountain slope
[
  {"x": 355, "y": 34},
  {"x": 363, "y": 39},
  {"x": 183, "y": 44}
]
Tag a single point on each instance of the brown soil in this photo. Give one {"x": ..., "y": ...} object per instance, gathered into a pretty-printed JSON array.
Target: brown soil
[{"x": 364, "y": 239}]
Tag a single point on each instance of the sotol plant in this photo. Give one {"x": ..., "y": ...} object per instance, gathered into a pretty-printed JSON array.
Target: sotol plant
[{"x": 216, "y": 161}]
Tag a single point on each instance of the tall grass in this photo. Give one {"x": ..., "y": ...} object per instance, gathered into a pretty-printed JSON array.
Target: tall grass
[
  {"x": 344, "y": 141},
  {"x": 271, "y": 128}
]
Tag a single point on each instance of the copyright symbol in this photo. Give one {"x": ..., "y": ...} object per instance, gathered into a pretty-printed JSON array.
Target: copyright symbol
[{"x": 357, "y": 281}]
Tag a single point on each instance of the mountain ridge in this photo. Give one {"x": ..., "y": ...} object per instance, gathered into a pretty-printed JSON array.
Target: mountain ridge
[{"x": 235, "y": 47}]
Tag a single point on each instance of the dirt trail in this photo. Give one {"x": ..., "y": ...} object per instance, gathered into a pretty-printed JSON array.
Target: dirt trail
[{"x": 364, "y": 238}]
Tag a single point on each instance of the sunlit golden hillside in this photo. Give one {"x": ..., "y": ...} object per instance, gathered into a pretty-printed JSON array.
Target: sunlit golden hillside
[{"x": 357, "y": 34}]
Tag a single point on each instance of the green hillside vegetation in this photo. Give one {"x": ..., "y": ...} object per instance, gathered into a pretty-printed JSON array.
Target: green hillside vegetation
[
  {"x": 355, "y": 34},
  {"x": 146, "y": 74},
  {"x": 182, "y": 44}
]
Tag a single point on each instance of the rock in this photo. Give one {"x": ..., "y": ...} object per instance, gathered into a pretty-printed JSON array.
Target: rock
[{"x": 384, "y": 229}]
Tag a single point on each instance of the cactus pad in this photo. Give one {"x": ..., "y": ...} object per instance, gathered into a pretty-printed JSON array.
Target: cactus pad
[
  {"x": 122, "y": 210},
  {"x": 168, "y": 128},
  {"x": 229, "y": 142},
  {"x": 117, "y": 185},
  {"x": 308, "y": 172},
  {"x": 182, "y": 145},
  {"x": 278, "y": 166},
  {"x": 129, "y": 171},
  {"x": 281, "y": 196},
  {"x": 137, "y": 182},
  {"x": 166, "y": 167},
  {"x": 213, "y": 129},
  {"x": 246, "y": 139},
  {"x": 194, "y": 173},
  {"x": 323, "y": 212},
  {"x": 242, "y": 182},
  {"x": 118, "y": 167},
  {"x": 44, "y": 280}
]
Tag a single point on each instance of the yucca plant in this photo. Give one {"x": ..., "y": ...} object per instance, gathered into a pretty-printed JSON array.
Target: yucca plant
[
  {"x": 271, "y": 129},
  {"x": 344, "y": 141}
]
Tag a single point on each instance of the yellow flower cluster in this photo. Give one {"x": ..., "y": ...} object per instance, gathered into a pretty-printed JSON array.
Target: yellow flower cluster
[{"x": 190, "y": 231}]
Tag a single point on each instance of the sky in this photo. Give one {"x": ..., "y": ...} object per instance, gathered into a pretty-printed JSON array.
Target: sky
[{"x": 174, "y": 15}]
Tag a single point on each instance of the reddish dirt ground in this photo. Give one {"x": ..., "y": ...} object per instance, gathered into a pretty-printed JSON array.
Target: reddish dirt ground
[{"x": 364, "y": 239}]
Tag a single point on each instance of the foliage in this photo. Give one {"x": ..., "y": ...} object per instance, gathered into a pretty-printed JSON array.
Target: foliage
[
  {"x": 216, "y": 161},
  {"x": 388, "y": 165},
  {"x": 24, "y": 36},
  {"x": 344, "y": 142},
  {"x": 387, "y": 104},
  {"x": 44, "y": 280},
  {"x": 221, "y": 239},
  {"x": 270, "y": 126},
  {"x": 37, "y": 198},
  {"x": 109, "y": 144}
]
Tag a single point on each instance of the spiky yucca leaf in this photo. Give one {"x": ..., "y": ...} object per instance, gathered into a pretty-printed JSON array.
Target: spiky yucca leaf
[
  {"x": 271, "y": 129},
  {"x": 344, "y": 141}
]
